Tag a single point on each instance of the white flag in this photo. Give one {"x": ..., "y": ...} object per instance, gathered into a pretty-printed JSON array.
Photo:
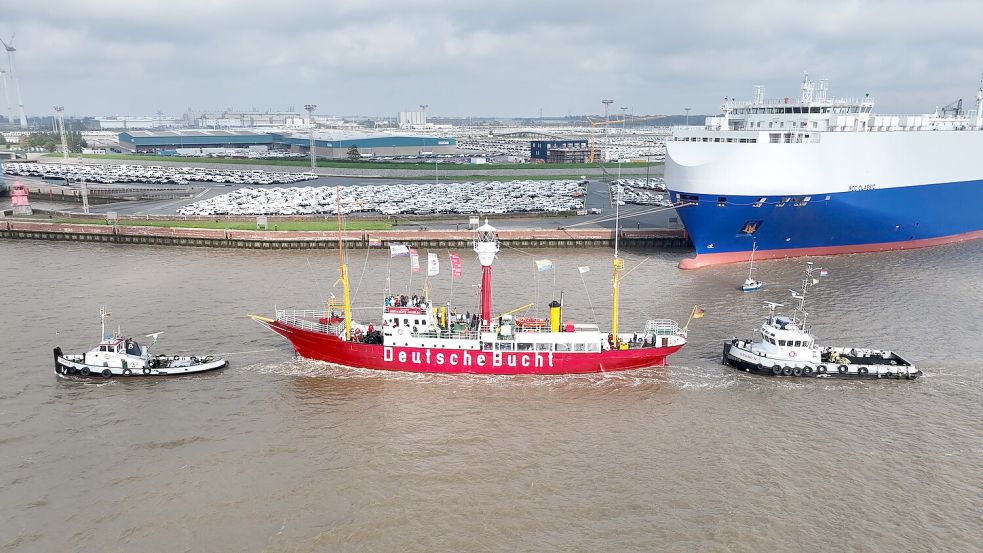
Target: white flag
[
  {"x": 583, "y": 269},
  {"x": 433, "y": 264},
  {"x": 396, "y": 250}
]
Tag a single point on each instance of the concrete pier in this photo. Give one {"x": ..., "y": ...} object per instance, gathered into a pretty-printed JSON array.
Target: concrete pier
[{"x": 221, "y": 238}]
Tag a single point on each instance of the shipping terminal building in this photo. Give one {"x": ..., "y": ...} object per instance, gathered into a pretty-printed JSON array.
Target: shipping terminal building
[{"x": 332, "y": 145}]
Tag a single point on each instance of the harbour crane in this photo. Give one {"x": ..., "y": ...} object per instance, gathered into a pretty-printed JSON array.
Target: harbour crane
[{"x": 955, "y": 109}]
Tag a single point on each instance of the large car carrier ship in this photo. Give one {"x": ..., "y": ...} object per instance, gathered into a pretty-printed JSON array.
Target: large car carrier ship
[{"x": 818, "y": 175}]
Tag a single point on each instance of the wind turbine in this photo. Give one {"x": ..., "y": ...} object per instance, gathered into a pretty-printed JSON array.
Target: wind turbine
[
  {"x": 13, "y": 75},
  {"x": 6, "y": 95}
]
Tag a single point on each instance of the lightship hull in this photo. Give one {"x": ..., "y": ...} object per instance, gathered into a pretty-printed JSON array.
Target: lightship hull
[{"x": 326, "y": 347}]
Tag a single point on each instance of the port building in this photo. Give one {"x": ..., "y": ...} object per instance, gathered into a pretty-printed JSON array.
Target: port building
[
  {"x": 558, "y": 151},
  {"x": 331, "y": 144}
]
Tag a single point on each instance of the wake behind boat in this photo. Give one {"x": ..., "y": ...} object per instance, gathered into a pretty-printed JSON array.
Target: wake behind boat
[{"x": 120, "y": 356}]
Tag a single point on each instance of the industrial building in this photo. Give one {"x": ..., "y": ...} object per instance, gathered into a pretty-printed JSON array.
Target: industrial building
[
  {"x": 558, "y": 151},
  {"x": 334, "y": 144}
]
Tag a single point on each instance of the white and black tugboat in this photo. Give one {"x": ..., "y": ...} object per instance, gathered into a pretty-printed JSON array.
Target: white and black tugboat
[
  {"x": 120, "y": 356},
  {"x": 786, "y": 348}
]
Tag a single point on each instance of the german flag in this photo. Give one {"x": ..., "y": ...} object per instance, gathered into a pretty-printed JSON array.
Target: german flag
[{"x": 698, "y": 313}]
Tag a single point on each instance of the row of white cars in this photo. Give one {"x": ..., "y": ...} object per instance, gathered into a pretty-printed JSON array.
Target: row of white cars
[
  {"x": 151, "y": 174},
  {"x": 398, "y": 199},
  {"x": 640, "y": 192}
]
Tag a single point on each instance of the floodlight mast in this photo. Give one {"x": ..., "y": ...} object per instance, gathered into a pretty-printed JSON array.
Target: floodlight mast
[
  {"x": 607, "y": 119},
  {"x": 310, "y": 125},
  {"x": 61, "y": 131}
]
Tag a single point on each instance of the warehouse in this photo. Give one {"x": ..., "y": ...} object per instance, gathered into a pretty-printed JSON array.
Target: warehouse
[
  {"x": 558, "y": 151},
  {"x": 335, "y": 144},
  {"x": 329, "y": 144}
]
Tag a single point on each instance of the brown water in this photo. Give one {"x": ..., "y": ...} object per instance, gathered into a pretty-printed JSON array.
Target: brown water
[{"x": 281, "y": 454}]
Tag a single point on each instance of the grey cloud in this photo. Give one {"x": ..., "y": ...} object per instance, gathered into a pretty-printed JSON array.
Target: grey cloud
[{"x": 486, "y": 58}]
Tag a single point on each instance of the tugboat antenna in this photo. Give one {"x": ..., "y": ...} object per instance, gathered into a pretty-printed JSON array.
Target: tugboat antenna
[{"x": 801, "y": 296}]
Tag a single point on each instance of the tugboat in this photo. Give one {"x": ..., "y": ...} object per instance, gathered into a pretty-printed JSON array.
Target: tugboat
[
  {"x": 750, "y": 285},
  {"x": 415, "y": 335},
  {"x": 120, "y": 356},
  {"x": 786, "y": 348}
]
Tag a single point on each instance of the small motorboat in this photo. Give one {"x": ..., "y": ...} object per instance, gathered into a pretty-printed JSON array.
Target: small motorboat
[
  {"x": 117, "y": 355},
  {"x": 786, "y": 348},
  {"x": 750, "y": 284}
]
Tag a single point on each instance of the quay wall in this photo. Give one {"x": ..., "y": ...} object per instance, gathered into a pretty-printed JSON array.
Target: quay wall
[{"x": 252, "y": 239}]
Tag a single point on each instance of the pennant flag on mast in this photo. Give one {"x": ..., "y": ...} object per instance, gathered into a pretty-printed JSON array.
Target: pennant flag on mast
[
  {"x": 398, "y": 250},
  {"x": 456, "y": 269},
  {"x": 544, "y": 265},
  {"x": 414, "y": 261},
  {"x": 698, "y": 313},
  {"x": 433, "y": 264},
  {"x": 583, "y": 269}
]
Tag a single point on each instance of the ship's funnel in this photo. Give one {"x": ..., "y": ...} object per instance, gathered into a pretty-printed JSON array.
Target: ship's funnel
[{"x": 554, "y": 316}]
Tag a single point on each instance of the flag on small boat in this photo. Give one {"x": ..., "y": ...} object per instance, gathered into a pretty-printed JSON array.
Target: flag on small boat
[
  {"x": 414, "y": 261},
  {"x": 544, "y": 265},
  {"x": 398, "y": 250},
  {"x": 456, "y": 269},
  {"x": 433, "y": 264},
  {"x": 583, "y": 269},
  {"x": 698, "y": 313},
  {"x": 375, "y": 242},
  {"x": 823, "y": 272}
]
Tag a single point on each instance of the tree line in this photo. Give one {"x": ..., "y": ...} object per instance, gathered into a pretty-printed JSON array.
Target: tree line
[{"x": 51, "y": 141}]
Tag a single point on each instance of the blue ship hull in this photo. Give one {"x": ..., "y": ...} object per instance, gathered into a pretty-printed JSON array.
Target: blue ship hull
[{"x": 723, "y": 229}]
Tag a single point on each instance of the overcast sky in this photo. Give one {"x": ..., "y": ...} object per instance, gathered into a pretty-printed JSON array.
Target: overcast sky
[{"x": 488, "y": 58}]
